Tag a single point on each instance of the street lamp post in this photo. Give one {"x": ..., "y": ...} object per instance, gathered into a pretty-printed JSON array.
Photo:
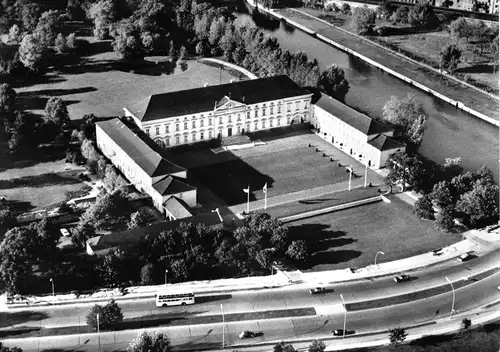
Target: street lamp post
[
  {"x": 166, "y": 272},
  {"x": 53, "y": 291},
  {"x": 223, "y": 331},
  {"x": 350, "y": 176},
  {"x": 345, "y": 315},
  {"x": 366, "y": 168},
  {"x": 453, "y": 299},
  {"x": 376, "y": 255},
  {"x": 98, "y": 335}
]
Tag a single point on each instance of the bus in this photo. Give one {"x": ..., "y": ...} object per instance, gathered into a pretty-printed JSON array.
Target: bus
[{"x": 170, "y": 298}]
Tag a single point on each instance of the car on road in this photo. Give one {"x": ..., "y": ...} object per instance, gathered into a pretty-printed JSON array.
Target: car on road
[
  {"x": 247, "y": 334},
  {"x": 317, "y": 290},
  {"x": 464, "y": 257},
  {"x": 65, "y": 232},
  {"x": 437, "y": 252},
  {"x": 340, "y": 332},
  {"x": 402, "y": 278}
]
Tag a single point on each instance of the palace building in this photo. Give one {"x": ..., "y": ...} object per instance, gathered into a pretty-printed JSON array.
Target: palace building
[{"x": 200, "y": 114}]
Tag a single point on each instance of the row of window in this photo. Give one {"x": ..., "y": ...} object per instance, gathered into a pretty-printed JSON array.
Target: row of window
[{"x": 202, "y": 121}]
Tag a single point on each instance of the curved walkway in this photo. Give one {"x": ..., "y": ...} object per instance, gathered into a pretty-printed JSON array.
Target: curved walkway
[{"x": 232, "y": 66}]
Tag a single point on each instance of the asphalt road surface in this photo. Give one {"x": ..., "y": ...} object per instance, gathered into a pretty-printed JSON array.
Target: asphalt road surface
[{"x": 207, "y": 336}]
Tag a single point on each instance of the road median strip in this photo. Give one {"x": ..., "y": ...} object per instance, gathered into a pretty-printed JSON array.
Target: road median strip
[
  {"x": 157, "y": 320},
  {"x": 414, "y": 296}
]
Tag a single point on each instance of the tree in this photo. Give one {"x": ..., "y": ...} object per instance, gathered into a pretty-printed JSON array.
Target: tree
[
  {"x": 81, "y": 233},
  {"x": 385, "y": 10},
  {"x": 265, "y": 258},
  {"x": 60, "y": 44},
  {"x": 145, "y": 342},
  {"x": 480, "y": 204},
  {"x": 89, "y": 152},
  {"x": 217, "y": 28},
  {"x": 411, "y": 172},
  {"x": 443, "y": 194},
  {"x": 423, "y": 208},
  {"x": 460, "y": 28},
  {"x": 9, "y": 349},
  {"x": 202, "y": 48},
  {"x": 363, "y": 20},
  {"x": 110, "y": 316},
  {"x": 298, "y": 250},
  {"x": 449, "y": 57},
  {"x": 127, "y": 40},
  {"x": 114, "y": 268},
  {"x": 445, "y": 220},
  {"x": 56, "y": 111},
  {"x": 397, "y": 335},
  {"x": 409, "y": 115},
  {"x": 317, "y": 346},
  {"x": 14, "y": 35},
  {"x": 148, "y": 274},
  {"x": 452, "y": 167},
  {"x": 71, "y": 45},
  {"x": 7, "y": 98},
  {"x": 333, "y": 82},
  {"x": 183, "y": 53},
  {"x": 172, "y": 52},
  {"x": 179, "y": 270},
  {"x": 447, "y": 4},
  {"x": 7, "y": 219},
  {"x": 283, "y": 347},
  {"x": 477, "y": 6},
  {"x": 103, "y": 13},
  {"x": 400, "y": 15},
  {"x": 30, "y": 13},
  {"x": 46, "y": 27},
  {"x": 466, "y": 324},
  {"x": 137, "y": 219},
  {"x": 33, "y": 53},
  {"x": 422, "y": 16}
]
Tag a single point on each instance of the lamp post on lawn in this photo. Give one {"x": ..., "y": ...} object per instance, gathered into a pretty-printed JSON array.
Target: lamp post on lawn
[
  {"x": 376, "y": 255},
  {"x": 453, "y": 299},
  {"x": 98, "y": 335},
  {"x": 53, "y": 291},
  {"x": 223, "y": 332},
  {"x": 350, "y": 176},
  {"x": 361, "y": 157},
  {"x": 272, "y": 268},
  {"x": 166, "y": 272},
  {"x": 345, "y": 315}
]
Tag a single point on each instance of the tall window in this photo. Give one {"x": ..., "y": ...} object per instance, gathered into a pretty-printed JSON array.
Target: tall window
[
  {"x": 167, "y": 141},
  {"x": 288, "y": 107},
  {"x": 177, "y": 127},
  {"x": 194, "y": 124},
  {"x": 220, "y": 120},
  {"x": 248, "y": 127},
  {"x": 202, "y": 135},
  {"x": 229, "y": 118},
  {"x": 210, "y": 121},
  {"x": 185, "y": 125},
  {"x": 248, "y": 114},
  {"x": 263, "y": 111},
  {"x": 271, "y": 123},
  {"x": 256, "y": 113},
  {"x": 239, "y": 129},
  {"x": 185, "y": 138},
  {"x": 147, "y": 131},
  {"x": 194, "y": 136},
  {"x": 271, "y": 110},
  {"x": 305, "y": 105},
  {"x": 239, "y": 117},
  {"x": 157, "y": 128},
  {"x": 177, "y": 139},
  {"x": 201, "y": 123},
  {"x": 256, "y": 126},
  {"x": 210, "y": 134},
  {"x": 279, "y": 109},
  {"x": 167, "y": 128},
  {"x": 277, "y": 122},
  {"x": 263, "y": 124},
  {"x": 296, "y": 105}
]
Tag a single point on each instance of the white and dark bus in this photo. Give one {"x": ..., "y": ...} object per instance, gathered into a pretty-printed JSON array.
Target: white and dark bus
[{"x": 174, "y": 298}]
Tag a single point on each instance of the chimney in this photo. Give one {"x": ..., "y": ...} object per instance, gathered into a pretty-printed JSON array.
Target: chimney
[
  {"x": 205, "y": 85},
  {"x": 231, "y": 81}
]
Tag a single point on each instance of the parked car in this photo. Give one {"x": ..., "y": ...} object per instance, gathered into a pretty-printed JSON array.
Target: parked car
[
  {"x": 317, "y": 290},
  {"x": 246, "y": 334},
  {"x": 65, "y": 232},
  {"x": 438, "y": 251},
  {"x": 464, "y": 257},
  {"x": 402, "y": 278},
  {"x": 340, "y": 332}
]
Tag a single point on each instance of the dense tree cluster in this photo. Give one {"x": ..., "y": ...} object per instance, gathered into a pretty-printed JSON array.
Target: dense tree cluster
[
  {"x": 158, "y": 342},
  {"x": 363, "y": 20}
]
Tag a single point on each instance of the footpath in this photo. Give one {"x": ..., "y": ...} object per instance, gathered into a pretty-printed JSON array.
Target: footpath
[
  {"x": 484, "y": 105},
  {"x": 477, "y": 241}
]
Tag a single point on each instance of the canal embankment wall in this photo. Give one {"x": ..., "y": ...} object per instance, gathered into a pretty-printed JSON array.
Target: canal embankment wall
[{"x": 422, "y": 87}]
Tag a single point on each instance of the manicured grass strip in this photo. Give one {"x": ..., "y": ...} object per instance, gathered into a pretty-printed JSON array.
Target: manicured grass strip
[
  {"x": 325, "y": 201},
  {"x": 160, "y": 320},
  {"x": 409, "y": 297}
]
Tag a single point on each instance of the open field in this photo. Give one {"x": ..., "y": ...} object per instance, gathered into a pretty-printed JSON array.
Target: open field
[
  {"x": 351, "y": 238},
  {"x": 99, "y": 87}
]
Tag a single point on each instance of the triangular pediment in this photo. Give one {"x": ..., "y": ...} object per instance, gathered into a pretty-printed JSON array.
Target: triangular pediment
[{"x": 228, "y": 103}]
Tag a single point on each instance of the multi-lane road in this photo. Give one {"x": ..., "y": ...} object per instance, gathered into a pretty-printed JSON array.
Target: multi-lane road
[{"x": 328, "y": 308}]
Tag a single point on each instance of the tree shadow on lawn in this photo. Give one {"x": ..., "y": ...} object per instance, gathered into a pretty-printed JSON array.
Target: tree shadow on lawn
[
  {"x": 34, "y": 156},
  {"x": 28, "y": 81},
  {"x": 18, "y": 207},
  {"x": 43, "y": 180},
  {"x": 56, "y": 92},
  {"x": 8, "y": 319},
  {"x": 38, "y": 103},
  {"x": 479, "y": 68},
  {"x": 278, "y": 133},
  {"x": 227, "y": 180}
]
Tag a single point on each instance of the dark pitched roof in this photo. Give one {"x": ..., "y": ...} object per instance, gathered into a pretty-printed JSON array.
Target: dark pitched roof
[
  {"x": 149, "y": 160},
  {"x": 172, "y": 185},
  {"x": 359, "y": 121},
  {"x": 191, "y": 101},
  {"x": 177, "y": 207},
  {"x": 101, "y": 245},
  {"x": 382, "y": 142}
]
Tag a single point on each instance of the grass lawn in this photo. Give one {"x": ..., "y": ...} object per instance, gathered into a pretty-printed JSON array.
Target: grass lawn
[
  {"x": 284, "y": 171},
  {"x": 351, "y": 238},
  {"x": 98, "y": 85}
]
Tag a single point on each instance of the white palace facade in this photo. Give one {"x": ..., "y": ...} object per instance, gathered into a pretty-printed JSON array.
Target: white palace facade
[{"x": 226, "y": 110}]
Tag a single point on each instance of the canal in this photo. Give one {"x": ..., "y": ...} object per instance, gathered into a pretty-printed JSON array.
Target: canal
[{"x": 450, "y": 132}]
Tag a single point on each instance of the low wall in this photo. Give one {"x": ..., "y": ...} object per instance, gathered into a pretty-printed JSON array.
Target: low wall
[
  {"x": 234, "y": 67},
  {"x": 331, "y": 209},
  {"x": 382, "y": 67}
]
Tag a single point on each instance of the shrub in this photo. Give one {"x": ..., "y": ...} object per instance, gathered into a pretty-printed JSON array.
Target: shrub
[
  {"x": 148, "y": 274},
  {"x": 110, "y": 316},
  {"x": 423, "y": 208},
  {"x": 444, "y": 219},
  {"x": 346, "y": 8}
]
